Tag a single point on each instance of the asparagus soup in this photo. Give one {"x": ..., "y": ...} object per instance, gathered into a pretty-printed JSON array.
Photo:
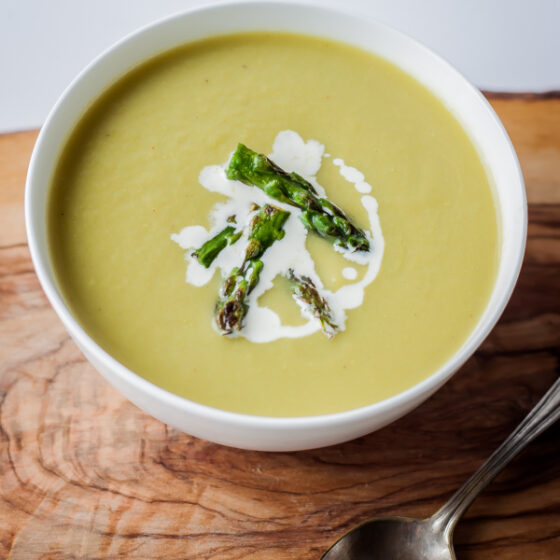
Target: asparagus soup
[{"x": 343, "y": 268}]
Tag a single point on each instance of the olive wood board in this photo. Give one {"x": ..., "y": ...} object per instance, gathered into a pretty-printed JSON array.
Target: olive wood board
[{"x": 85, "y": 474}]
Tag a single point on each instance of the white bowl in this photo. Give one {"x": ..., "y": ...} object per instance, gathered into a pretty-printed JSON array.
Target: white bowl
[{"x": 341, "y": 24}]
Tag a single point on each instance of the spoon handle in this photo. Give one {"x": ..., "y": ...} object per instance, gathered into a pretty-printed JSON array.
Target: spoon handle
[{"x": 543, "y": 415}]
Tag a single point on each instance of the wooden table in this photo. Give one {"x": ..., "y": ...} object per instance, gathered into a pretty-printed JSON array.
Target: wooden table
[{"x": 85, "y": 474}]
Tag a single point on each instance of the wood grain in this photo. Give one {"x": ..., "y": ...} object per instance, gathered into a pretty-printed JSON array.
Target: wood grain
[{"x": 85, "y": 474}]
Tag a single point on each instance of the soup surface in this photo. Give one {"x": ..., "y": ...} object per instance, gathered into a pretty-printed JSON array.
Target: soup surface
[{"x": 128, "y": 179}]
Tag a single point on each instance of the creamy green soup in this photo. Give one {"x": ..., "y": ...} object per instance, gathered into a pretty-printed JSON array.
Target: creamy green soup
[{"x": 127, "y": 180}]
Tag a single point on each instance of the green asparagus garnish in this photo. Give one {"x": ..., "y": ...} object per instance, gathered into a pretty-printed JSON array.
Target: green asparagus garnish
[
  {"x": 308, "y": 296},
  {"x": 318, "y": 214},
  {"x": 266, "y": 227},
  {"x": 212, "y": 248}
]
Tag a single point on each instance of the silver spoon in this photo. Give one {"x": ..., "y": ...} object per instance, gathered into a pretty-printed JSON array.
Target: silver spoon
[{"x": 405, "y": 538}]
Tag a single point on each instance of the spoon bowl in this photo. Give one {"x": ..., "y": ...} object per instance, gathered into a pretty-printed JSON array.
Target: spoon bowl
[{"x": 387, "y": 538}]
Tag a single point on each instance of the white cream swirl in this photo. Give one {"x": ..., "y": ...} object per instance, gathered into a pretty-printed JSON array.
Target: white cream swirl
[{"x": 262, "y": 324}]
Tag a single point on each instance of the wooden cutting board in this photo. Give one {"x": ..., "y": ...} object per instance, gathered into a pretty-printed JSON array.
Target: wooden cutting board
[{"x": 85, "y": 474}]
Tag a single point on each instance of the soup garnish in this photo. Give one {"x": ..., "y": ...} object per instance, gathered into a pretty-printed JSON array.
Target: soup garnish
[
  {"x": 318, "y": 214},
  {"x": 250, "y": 180},
  {"x": 265, "y": 228}
]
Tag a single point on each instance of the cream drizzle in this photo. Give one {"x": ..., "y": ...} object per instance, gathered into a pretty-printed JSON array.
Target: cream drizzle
[
  {"x": 262, "y": 324},
  {"x": 350, "y": 273},
  {"x": 353, "y": 175}
]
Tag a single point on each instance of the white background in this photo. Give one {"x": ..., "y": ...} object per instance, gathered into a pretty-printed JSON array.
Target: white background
[{"x": 500, "y": 45}]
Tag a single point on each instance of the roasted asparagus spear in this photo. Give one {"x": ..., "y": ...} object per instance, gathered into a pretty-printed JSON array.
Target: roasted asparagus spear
[
  {"x": 212, "y": 248},
  {"x": 266, "y": 227},
  {"x": 307, "y": 295},
  {"x": 318, "y": 214}
]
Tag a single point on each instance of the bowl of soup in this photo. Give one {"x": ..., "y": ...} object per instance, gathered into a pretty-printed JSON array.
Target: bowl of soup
[{"x": 360, "y": 133}]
